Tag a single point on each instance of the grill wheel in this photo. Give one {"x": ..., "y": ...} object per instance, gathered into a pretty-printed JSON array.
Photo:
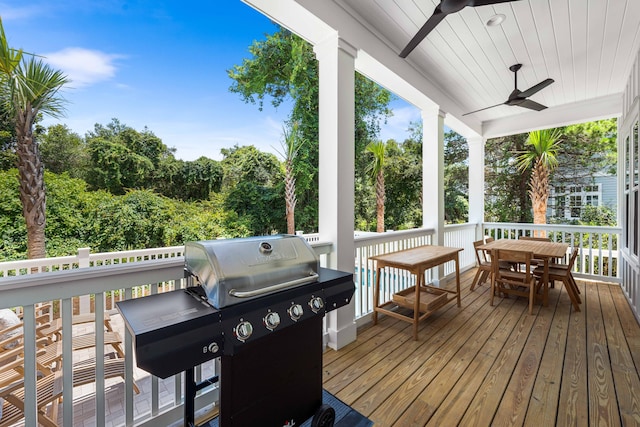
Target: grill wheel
[{"x": 324, "y": 417}]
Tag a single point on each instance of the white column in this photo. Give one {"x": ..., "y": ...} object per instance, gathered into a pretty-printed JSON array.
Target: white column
[
  {"x": 433, "y": 178},
  {"x": 476, "y": 182},
  {"x": 336, "y": 114}
]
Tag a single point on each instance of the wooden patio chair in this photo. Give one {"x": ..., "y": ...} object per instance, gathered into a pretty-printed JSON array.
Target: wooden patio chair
[
  {"x": 50, "y": 340},
  {"x": 49, "y": 392},
  {"x": 535, "y": 239},
  {"x": 55, "y": 325},
  {"x": 562, "y": 273},
  {"x": 484, "y": 265},
  {"x": 508, "y": 282},
  {"x": 537, "y": 262}
]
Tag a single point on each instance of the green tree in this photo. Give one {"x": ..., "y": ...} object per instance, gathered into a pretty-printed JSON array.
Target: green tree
[
  {"x": 122, "y": 158},
  {"x": 506, "y": 198},
  {"x": 13, "y": 246},
  {"x": 64, "y": 151},
  {"x": 29, "y": 87},
  {"x": 376, "y": 172},
  {"x": 403, "y": 184},
  {"x": 189, "y": 180},
  {"x": 456, "y": 178},
  {"x": 8, "y": 157},
  {"x": 542, "y": 158},
  {"x": 587, "y": 149},
  {"x": 283, "y": 67},
  {"x": 252, "y": 186},
  {"x": 598, "y": 215}
]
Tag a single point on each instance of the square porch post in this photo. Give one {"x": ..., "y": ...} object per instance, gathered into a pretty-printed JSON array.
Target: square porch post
[
  {"x": 476, "y": 183},
  {"x": 433, "y": 178},
  {"x": 336, "y": 63}
]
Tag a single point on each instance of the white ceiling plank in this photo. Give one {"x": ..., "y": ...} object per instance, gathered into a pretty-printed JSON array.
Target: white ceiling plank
[
  {"x": 579, "y": 33},
  {"x": 545, "y": 36},
  {"x": 628, "y": 42},
  {"x": 595, "y": 17},
  {"x": 562, "y": 30},
  {"x": 611, "y": 37}
]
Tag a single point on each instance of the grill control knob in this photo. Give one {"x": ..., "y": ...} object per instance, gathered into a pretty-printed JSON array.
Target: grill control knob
[
  {"x": 271, "y": 320},
  {"x": 295, "y": 312},
  {"x": 316, "y": 304},
  {"x": 243, "y": 331},
  {"x": 213, "y": 347}
]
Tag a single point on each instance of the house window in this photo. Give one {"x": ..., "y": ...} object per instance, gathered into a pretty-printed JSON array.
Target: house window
[
  {"x": 569, "y": 201},
  {"x": 561, "y": 205}
]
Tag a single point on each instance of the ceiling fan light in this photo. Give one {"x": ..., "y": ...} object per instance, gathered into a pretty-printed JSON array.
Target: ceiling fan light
[{"x": 495, "y": 20}]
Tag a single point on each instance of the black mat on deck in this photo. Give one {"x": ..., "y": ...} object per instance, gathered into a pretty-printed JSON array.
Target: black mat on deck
[{"x": 345, "y": 416}]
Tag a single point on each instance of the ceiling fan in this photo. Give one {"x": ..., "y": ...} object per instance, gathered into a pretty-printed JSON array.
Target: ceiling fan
[
  {"x": 520, "y": 98},
  {"x": 445, "y": 8}
]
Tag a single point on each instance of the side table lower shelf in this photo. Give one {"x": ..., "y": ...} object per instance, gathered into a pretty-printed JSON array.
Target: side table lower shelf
[{"x": 431, "y": 299}]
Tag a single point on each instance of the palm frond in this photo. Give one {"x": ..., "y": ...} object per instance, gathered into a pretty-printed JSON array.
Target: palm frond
[
  {"x": 376, "y": 148},
  {"x": 36, "y": 85},
  {"x": 545, "y": 145}
]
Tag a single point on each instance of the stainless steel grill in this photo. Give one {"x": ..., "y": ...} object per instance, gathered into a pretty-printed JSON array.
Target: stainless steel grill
[{"x": 258, "y": 305}]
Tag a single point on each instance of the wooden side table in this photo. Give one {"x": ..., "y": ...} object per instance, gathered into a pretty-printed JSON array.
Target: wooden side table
[{"x": 423, "y": 299}]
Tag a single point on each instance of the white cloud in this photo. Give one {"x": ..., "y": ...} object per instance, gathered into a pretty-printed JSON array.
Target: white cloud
[
  {"x": 10, "y": 12},
  {"x": 84, "y": 66}
]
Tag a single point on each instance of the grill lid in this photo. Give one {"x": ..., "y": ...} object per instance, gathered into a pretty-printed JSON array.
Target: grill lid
[{"x": 237, "y": 270}]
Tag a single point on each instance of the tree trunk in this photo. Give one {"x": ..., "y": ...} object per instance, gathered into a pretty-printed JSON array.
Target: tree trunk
[
  {"x": 290, "y": 197},
  {"x": 380, "y": 196},
  {"x": 539, "y": 192},
  {"x": 32, "y": 190}
]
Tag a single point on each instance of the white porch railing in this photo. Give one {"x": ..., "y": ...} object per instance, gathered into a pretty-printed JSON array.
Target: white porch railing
[
  {"x": 598, "y": 246},
  {"x": 132, "y": 274}
]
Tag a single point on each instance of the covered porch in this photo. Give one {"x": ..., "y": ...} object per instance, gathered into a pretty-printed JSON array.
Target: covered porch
[
  {"x": 473, "y": 361},
  {"x": 476, "y": 363}
]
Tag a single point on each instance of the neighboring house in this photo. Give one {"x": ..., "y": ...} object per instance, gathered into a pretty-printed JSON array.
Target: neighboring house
[{"x": 567, "y": 201}]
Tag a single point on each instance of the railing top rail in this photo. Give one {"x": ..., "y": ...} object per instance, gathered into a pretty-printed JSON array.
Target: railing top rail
[
  {"x": 463, "y": 225},
  {"x": 554, "y": 227},
  {"x": 38, "y": 262},
  {"x": 34, "y": 288},
  {"x": 391, "y": 236},
  {"x": 138, "y": 252}
]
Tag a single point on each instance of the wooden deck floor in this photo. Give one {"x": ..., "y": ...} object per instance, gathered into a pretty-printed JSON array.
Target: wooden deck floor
[{"x": 498, "y": 366}]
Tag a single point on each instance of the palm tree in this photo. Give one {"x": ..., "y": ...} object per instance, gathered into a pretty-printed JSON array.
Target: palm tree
[
  {"x": 29, "y": 87},
  {"x": 290, "y": 146},
  {"x": 543, "y": 159},
  {"x": 376, "y": 171}
]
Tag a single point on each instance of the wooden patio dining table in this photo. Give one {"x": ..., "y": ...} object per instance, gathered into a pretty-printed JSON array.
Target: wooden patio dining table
[{"x": 541, "y": 250}]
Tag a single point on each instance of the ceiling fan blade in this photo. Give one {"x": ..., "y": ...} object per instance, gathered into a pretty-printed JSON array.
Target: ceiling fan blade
[
  {"x": 485, "y": 108},
  {"x": 474, "y": 3},
  {"x": 431, "y": 23},
  {"x": 532, "y": 105},
  {"x": 536, "y": 88}
]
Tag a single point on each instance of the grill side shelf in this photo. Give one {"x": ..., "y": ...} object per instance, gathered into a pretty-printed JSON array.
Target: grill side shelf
[{"x": 172, "y": 331}]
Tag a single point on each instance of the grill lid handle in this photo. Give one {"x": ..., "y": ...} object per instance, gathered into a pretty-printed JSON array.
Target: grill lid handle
[{"x": 247, "y": 294}]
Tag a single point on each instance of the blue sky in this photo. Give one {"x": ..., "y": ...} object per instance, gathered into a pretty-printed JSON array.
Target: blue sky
[{"x": 159, "y": 64}]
